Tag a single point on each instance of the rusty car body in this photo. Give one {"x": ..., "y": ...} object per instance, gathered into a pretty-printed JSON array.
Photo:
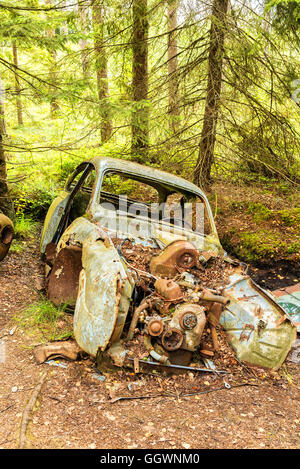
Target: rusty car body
[
  {"x": 6, "y": 235},
  {"x": 90, "y": 265}
]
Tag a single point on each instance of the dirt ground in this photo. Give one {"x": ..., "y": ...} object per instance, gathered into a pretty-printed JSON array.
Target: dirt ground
[{"x": 75, "y": 409}]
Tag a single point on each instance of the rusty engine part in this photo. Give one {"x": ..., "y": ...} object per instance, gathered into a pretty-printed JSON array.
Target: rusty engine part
[
  {"x": 214, "y": 314},
  {"x": 172, "y": 339},
  {"x": 6, "y": 235},
  {"x": 206, "y": 295},
  {"x": 157, "y": 356},
  {"x": 214, "y": 336},
  {"x": 168, "y": 293},
  {"x": 143, "y": 306},
  {"x": 168, "y": 289},
  {"x": 155, "y": 327},
  {"x": 205, "y": 256},
  {"x": 181, "y": 331},
  {"x": 181, "y": 357},
  {"x": 176, "y": 257},
  {"x": 190, "y": 319}
]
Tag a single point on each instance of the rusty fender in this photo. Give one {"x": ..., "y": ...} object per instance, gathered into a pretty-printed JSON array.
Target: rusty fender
[
  {"x": 6, "y": 235},
  {"x": 103, "y": 296},
  {"x": 258, "y": 329}
]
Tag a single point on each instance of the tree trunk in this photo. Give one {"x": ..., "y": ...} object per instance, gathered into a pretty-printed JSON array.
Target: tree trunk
[
  {"x": 83, "y": 43},
  {"x": 202, "y": 172},
  {"x": 17, "y": 85},
  {"x": 174, "y": 111},
  {"x": 101, "y": 70},
  {"x": 6, "y": 205},
  {"x": 54, "y": 106},
  {"x": 140, "y": 113}
]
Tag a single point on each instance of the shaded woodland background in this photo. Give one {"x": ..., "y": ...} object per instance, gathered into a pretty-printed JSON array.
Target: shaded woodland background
[{"x": 209, "y": 90}]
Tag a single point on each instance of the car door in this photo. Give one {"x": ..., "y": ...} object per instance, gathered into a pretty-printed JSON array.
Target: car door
[{"x": 58, "y": 213}]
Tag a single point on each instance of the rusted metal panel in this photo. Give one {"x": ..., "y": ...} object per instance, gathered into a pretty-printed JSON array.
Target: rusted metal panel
[
  {"x": 258, "y": 329},
  {"x": 64, "y": 278},
  {"x": 104, "y": 292},
  {"x": 6, "y": 235},
  {"x": 103, "y": 298},
  {"x": 78, "y": 232},
  {"x": 289, "y": 300}
]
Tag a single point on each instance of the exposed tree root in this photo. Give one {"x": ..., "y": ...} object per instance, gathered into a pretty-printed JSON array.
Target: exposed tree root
[{"x": 28, "y": 409}]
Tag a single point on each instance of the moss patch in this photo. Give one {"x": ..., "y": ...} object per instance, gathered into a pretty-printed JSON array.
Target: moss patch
[
  {"x": 258, "y": 225},
  {"x": 259, "y": 211},
  {"x": 290, "y": 217},
  {"x": 260, "y": 245}
]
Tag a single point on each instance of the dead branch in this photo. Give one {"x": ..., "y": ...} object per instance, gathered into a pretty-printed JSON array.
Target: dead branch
[{"x": 28, "y": 409}]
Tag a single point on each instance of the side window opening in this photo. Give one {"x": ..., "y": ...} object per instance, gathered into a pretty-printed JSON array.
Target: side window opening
[
  {"x": 198, "y": 215},
  {"x": 184, "y": 210},
  {"x": 123, "y": 192},
  {"x": 173, "y": 210},
  {"x": 187, "y": 212}
]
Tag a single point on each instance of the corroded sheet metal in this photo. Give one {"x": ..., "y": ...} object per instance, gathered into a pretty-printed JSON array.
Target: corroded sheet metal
[
  {"x": 63, "y": 280},
  {"x": 289, "y": 300},
  {"x": 79, "y": 232},
  {"x": 53, "y": 218},
  {"x": 103, "y": 298},
  {"x": 258, "y": 329},
  {"x": 6, "y": 235}
]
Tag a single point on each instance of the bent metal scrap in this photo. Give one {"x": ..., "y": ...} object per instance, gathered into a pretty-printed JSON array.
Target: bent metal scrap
[{"x": 6, "y": 235}]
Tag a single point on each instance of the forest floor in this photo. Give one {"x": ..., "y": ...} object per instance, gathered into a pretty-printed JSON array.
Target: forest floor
[
  {"x": 259, "y": 224},
  {"x": 76, "y": 410}
]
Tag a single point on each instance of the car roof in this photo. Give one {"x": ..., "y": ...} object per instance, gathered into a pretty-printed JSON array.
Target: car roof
[{"x": 146, "y": 174}]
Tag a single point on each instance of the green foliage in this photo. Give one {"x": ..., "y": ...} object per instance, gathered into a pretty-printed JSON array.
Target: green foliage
[
  {"x": 25, "y": 230},
  {"x": 43, "y": 312},
  {"x": 35, "y": 202},
  {"x": 257, "y": 134},
  {"x": 45, "y": 320},
  {"x": 290, "y": 217},
  {"x": 118, "y": 186},
  {"x": 254, "y": 230},
  {"x": 294, "y": 248},
  {"x": 263, "y": 245},
  {"x": 286, "y": 17},
  {"x": 260, "y": 245},
  {"x": 24, "y": 227},
  {"x": 17, "y": 246},
  {"x": 259, "y": 211}
]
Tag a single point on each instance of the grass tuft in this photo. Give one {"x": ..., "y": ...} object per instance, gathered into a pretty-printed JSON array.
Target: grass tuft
[
  {"x": 25, "y": 227},
  {"x": 44, "y": 320}
]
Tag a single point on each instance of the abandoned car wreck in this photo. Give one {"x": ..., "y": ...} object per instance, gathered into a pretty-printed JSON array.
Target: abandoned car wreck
[{"x": 147, "y": 287}]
